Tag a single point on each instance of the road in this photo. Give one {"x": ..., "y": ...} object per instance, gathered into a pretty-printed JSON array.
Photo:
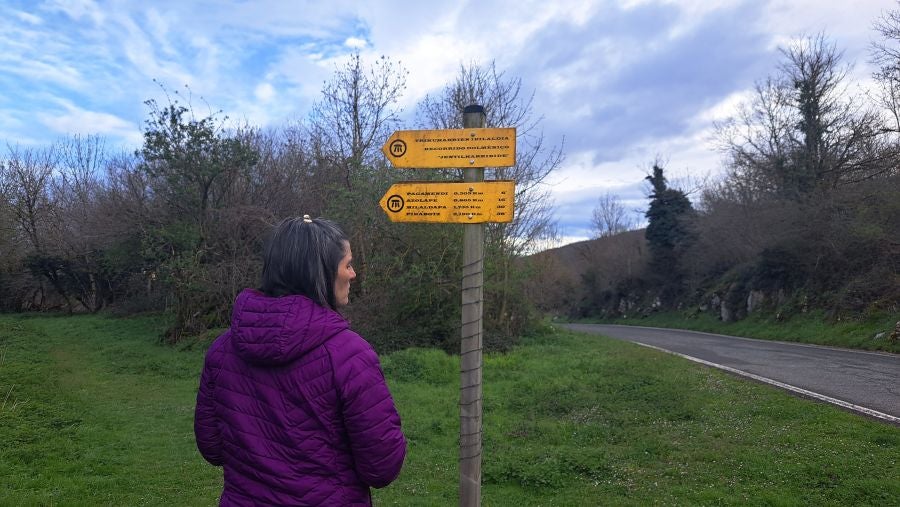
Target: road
[{"x": 865, "y": 382}]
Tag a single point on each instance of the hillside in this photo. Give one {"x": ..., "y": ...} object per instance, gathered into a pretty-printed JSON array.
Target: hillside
[{"x": 568, "y": 275}]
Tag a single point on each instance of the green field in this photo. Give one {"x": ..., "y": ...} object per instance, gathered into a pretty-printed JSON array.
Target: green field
[{"x": 93, "y": 411}]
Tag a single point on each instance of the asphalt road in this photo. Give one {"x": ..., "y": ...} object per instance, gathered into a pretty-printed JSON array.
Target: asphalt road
[{"x": 863, "y": 381}]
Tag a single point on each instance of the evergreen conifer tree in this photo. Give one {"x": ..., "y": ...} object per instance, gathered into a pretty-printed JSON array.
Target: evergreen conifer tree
[{"x": 667, "y": 233}]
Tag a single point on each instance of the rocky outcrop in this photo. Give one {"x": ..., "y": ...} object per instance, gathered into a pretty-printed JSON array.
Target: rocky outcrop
[
  {"x": 755, "y": 300},
  {"x": 725, "y": 313},
  {"x": 737, "y": 304}
]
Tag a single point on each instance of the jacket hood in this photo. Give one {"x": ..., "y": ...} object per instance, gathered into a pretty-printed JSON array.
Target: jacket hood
[{"x": 277, "y": 330}]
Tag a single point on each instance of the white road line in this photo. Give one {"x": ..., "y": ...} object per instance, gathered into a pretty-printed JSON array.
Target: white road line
[
  {"x": 798, "y": 390},
  {"x": 761, "y": 340}
]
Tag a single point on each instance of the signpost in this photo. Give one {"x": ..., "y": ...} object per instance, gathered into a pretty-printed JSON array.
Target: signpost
[
  {"x": 440, "y": 202},
  {"x": 437, "y": 149},
  {"x": 471, "y": 203},
  {"x": 470, "y": 356}
]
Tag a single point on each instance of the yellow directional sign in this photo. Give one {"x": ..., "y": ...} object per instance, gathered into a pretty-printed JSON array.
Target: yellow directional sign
[
  {"x": 461, "y": 203},
  {"x": 435, "y": 149}
]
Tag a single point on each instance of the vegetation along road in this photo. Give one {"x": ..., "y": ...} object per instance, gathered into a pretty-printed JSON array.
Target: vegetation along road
[{"x": 862, "y": 381}]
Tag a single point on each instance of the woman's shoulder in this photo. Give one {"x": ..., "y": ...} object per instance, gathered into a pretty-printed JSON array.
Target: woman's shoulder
[
  {"x": 350, "y": 354},
  {"x": 346, "y": 344},
  {"x": 218, "y": 347},
  {"x": 355, "y": 364}
]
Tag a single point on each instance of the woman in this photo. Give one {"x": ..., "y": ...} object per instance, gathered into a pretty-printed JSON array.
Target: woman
[{"x": 292, "y": 403}]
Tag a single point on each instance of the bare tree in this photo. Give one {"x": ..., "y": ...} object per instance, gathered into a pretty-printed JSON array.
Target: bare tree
[
  {"x": 34, "y": 198},
  {"x": 74, "y": 230},
  {"x": 75, "y": 190},
  {"x": 803, "y": 132},
  {"x": 886, "y": 54},
  {"x": 356, "y": 113},
  {"x": 757, "y": 140},
  {"x": 7, "y": 224},
  {"x": 505, "y": 105},
  {"x": 27, "y": 178},
  {"x": 53, "y": 193},
  {"x": 610, "y": 217},
  {"x": 14, "y": 282}
]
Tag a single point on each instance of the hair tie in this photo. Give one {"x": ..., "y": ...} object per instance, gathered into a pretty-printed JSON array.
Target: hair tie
[{"x": 307, "y": 219}]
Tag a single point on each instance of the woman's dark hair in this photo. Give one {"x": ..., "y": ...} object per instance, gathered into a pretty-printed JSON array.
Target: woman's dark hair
[{"x": 302, "y": 257}]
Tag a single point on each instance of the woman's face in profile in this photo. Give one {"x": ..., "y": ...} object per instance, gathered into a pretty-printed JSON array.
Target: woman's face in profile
[{"x": 345, "y": 274}]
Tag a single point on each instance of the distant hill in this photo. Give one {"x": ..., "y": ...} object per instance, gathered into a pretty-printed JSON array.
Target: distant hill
[
  {"x": 577, "y": 257},
  {"x": 568, "y": 275}
]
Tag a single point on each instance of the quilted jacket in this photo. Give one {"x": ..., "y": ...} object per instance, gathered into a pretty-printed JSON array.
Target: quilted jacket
[{"x": 293, "y": 405}]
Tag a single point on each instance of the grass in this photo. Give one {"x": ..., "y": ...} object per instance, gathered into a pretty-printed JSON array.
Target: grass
[
  {"x": 99, "y": 414},
  {"x": 811, "y": 327}
]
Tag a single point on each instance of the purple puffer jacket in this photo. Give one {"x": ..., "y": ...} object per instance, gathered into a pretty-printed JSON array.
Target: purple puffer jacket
[{"x": 294, "y": 406}]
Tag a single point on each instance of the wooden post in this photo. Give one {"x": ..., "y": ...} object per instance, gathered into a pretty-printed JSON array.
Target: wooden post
[{"x": 470, "y": 350}]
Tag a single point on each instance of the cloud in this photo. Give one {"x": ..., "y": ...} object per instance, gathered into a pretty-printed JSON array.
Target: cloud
[
  {"x": 622, "y": 81},
  {"x": 447, "y": 35},
  {"x": 654, "y": 88},
  {"x": 51, "y": 72},
  {"x": 725, "y": 108},
  {"x": 574, "y": 210},
  {"x": 77, "y": 9},
  {"x": 626, "y": 87},
  {"x": 265, "y": 92},
  {"x": 160, "y": 28},
  {"x": 70, "y": 119},
  {"x": 139, "y": 51},
  {"x": 22, "y": 66},
  {"x": 29, "y": 18},
  {"x": 355, "y": 43}
]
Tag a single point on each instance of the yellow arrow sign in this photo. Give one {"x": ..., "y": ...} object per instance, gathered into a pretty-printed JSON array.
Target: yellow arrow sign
[
  {"x": 435, "y": 149},
  {"x": 459, "y": 203}
]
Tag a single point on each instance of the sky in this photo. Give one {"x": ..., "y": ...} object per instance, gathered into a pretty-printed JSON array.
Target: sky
[{"x": 618, "y": 83}]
